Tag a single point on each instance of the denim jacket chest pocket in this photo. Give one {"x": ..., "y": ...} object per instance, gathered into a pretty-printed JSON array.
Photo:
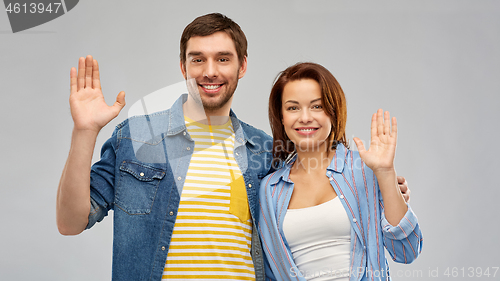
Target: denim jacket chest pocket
[{"x": 137, "y": 187}]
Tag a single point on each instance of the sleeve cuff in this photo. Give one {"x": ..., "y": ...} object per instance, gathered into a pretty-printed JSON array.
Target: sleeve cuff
[
  {"x": 404, "y": 227},
  {"x": 97, "y": 213}
]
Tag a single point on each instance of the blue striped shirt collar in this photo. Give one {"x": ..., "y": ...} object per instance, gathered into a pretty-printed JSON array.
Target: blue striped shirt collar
[{"x": 337, "y": 165}]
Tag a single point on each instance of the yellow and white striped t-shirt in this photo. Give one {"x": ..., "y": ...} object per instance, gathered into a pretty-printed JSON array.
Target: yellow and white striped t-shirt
[{"x": 212, "y": 234}]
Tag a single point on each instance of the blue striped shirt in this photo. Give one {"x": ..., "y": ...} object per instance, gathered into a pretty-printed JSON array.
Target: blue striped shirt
[{"x": 358, "y": 190}]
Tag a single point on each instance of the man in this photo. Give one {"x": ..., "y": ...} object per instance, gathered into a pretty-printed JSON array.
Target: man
[{"x": 183, "y": 183}]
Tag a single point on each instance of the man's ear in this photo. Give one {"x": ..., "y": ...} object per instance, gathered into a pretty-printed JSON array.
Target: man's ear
[
  {"x": 183, "y": 69},
  {"x": 243, "y": 68}
]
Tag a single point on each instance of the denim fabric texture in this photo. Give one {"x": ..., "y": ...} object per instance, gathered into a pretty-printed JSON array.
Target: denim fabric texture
[
  {"x": 357, "y": 188},
  {"x": 140, "y": 177}
]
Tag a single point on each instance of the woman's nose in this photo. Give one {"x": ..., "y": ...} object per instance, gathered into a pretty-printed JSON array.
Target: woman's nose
[{"x": 305, "y": 116}]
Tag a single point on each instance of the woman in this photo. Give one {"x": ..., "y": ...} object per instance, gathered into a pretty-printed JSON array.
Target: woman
[{"x": 327, "y": 214}]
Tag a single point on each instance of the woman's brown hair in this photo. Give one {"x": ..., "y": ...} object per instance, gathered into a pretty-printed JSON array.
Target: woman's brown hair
[{"x": 332, "y": 99}]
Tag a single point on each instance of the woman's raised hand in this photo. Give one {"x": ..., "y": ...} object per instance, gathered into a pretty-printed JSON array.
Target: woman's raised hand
[
  {"x": 380, "y": 156},
  {"x": 88, "y": 108}
]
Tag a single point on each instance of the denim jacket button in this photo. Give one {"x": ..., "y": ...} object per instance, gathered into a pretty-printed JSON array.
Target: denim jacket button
[
  {"x": 163, "y": 248},
  {"x": 141, "y": 174},
  {"x": 250, "y": 185},
  {"x": 188, "y": 148},
  {"x": 171, "y": 213},
  {"x": 184, "y": 133},
  {"x": 179, "y": 178}
]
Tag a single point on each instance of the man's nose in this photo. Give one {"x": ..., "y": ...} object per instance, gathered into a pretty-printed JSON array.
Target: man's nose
[{"x": 211, "y": 70}]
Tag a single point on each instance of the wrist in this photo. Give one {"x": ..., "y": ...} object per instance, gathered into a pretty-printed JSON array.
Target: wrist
[
  {"x": 384, "y": 172},
  {"x": 85, "y": 133}
]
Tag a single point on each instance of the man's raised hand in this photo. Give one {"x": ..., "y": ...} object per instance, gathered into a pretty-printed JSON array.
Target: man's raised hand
[{"x": 88, "y": 108}]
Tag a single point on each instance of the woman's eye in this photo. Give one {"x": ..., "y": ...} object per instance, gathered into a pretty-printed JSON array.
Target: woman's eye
[
  {"x": 292, "y": 108},
  {"x": 318, "y": 106}
]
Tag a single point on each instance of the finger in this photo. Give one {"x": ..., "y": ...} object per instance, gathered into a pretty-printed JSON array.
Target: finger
[
  {"x": 81, "y": 73},
  {"x": 403, "y": 187},
  {"x": 380, "y": 122},
  {"x": 73, "y": 84},
  {"x": 406, "y": 197},
  {"x": 119, "y": 103},
  {"x": 374, "y": 126},
  {"x": 387, "y": 124},
  {"x": 359, "y": 145},
  {"x": 88, "y": 71},
  {"x": 394, "y": 132},
  {"x": 401, "y": 179},
  {"x": 96, "y": 82}
]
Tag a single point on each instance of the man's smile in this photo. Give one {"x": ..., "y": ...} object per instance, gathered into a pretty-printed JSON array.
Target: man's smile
[{"x": 211, "y": 88}]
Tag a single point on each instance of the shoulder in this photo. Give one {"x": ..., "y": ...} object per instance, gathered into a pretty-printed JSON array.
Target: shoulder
[
  {"x": 142, "y": 118},
  {"x": 346, "y": 156},
  {"x": 355, "y": 166},
  {"x": 270, "y": 181},
  {"x": 249, "y": 128},
  {"x": 353, "y": 155},
  {"x": 140, "y": 127},
  {"x": 252, "y": 132},
  {"x": 344, "y": 159},
  {"x": 272, "y": 178},
  {"x": 256, "y": 135}
]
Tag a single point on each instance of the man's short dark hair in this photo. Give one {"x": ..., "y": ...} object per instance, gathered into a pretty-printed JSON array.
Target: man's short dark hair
[{"x": 209, "y": 24}]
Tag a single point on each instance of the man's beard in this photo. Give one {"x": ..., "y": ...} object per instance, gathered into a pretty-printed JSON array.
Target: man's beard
[{"x": 211, "y": 106}]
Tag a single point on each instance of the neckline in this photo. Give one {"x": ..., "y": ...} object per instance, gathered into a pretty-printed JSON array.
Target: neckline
[
  {"x": 227, "y": 125},
  {"x": 310, "y": 207}
]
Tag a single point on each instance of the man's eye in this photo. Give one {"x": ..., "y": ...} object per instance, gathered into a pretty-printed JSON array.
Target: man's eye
[
  {"x": 196, "y": 60},
  {"x": 223, "y": 60}
]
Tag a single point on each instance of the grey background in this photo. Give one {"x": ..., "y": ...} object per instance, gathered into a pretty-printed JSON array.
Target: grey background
[{"x": 434, "y": 64}]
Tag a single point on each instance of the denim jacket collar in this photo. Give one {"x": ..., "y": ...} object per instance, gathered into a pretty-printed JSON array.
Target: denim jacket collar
[{"x": 176, "y": 122}]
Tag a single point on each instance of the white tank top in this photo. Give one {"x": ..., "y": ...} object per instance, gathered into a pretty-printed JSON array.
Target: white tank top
[{"x": 319, "y": 238}]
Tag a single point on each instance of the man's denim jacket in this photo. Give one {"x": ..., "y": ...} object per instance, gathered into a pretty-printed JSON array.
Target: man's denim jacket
[{"x": 140, "y": 176}]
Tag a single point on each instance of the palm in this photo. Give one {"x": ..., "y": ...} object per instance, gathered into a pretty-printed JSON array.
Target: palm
[
  {"x": 380, "y": 155},
  {"x": 88, "y": 108}
]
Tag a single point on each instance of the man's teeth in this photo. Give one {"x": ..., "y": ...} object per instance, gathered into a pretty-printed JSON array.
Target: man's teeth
[
  {"x": 211, "y": 87},
  {"x": 307, "y": 130}
]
